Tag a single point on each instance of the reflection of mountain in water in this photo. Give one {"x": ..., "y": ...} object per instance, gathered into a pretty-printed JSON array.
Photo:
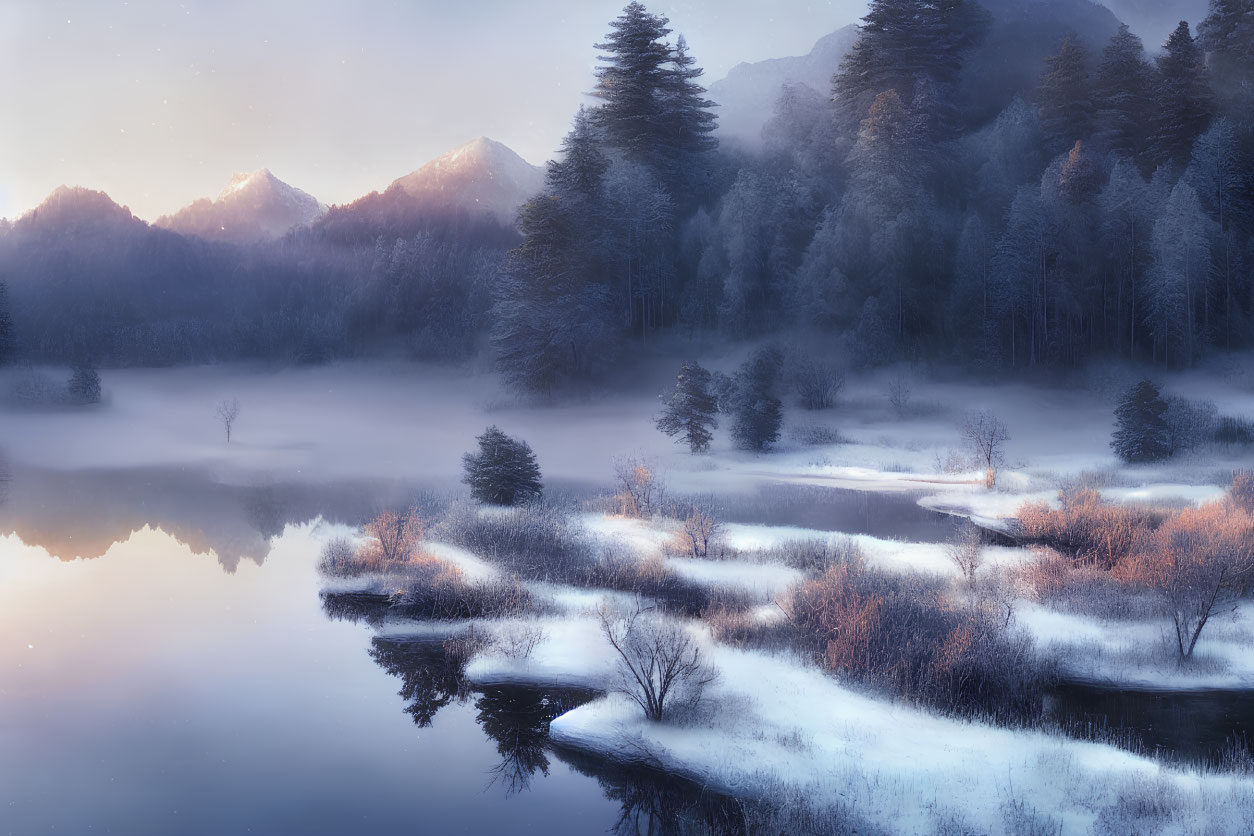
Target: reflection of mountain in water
[
  {"x": 516, "y": 719},
  {"x": 82, "y": 513}
]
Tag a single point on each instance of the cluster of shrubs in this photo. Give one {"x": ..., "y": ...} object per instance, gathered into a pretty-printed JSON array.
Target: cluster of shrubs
[
  {"x": 1195, "y": 562},
  {"x": 904, "y": 634},
  {"x": 408, "y": 582},
  {"x": 543, "y": 542}
]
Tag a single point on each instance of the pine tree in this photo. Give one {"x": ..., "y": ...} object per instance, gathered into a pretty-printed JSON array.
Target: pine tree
[
  {"x": 553, "y": 322},
  {"x": 1065, "y": 96},
  {"x": 690, "y": 411},
  {"x": 631, "y": 83},
  {"x": 504, "y": 471},
  {"x": 691, "y": 122},
  {"x": 1141, "y": 434},
  {"x": 1183, "y": 98},
  {"x": 1227, "y": 37},
  {"x": 902, "y": 43},
  {"x": 1123, "y": 86},
  {"x": 8, "y": 339},
  {"x": 579, "y": 176}
]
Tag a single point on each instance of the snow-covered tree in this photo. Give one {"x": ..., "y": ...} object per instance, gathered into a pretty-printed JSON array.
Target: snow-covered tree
[
  {"x": 504, "y": 471},
  {"x": 1141, "y": 433},
  {"x": 689, "y": 414}
]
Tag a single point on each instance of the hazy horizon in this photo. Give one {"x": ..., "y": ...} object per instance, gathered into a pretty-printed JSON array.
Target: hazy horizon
[{"x": 159, "y": 104}]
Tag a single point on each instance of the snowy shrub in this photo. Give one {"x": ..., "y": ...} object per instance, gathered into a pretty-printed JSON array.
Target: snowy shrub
[
  {"x": 818, "y": 383},
  {"x": 701, "y": 528},
  {"x": 1086, "y": 528},
  {"x": 901, "y": 633},
  {"x": 641, "y": 491},
  {"x": 537, "y": 542},
  {"x": 429, "y": 588},
  {"x": 966, "y": 550},
  {"x": 339, "y": 559},
  {"x": 393, "y": 538}
]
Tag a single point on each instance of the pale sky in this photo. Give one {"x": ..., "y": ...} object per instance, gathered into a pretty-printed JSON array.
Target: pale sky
[{"x": 158, "y": 103}]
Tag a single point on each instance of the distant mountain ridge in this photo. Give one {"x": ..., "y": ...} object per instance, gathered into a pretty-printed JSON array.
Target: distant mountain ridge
[
  {"x": 747, "y": 95},
  {"x": 253, "y": 207}
]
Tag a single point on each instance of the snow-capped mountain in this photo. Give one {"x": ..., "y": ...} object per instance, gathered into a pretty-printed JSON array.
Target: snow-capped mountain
[
  {"x": 747, "y": 96},
  {"x": 481, "y": 176},
  {"x": 253, "y": 207}
]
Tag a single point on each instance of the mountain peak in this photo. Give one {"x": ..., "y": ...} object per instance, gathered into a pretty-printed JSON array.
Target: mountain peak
[
  {"x": 254, "y": 206},
  {"x": 242, "y": 180},
  {"x": 482, "y": 176},
  {"x": 79, "y": 208}
]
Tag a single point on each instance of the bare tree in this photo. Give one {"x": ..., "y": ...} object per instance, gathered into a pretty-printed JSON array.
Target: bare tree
[
  {"x": 641, "y": 488},
  {"x": 1199, "y": 561},
  {"x": 986, "y": 435},
  {"x": 701, "y": 528},
  {"x": 966, "y": 550},
  {"x": 659, "y": 663},
  {"x": 228, "y": 412}
]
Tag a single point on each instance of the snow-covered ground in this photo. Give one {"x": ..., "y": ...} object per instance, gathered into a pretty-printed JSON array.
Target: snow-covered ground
[{"x": 776, "y": 723}]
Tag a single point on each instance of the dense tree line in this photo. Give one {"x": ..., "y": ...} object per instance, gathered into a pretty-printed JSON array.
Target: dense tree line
[{"x": 1106, "y": 207}]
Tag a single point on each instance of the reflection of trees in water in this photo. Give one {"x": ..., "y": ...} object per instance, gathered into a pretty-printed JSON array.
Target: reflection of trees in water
[
  {"x": 82, "y": 513},
  {"x": 355, "y": 607},
  {"x": 516, "y": 718},
  {"x": 655, "y": 803},
  {"x": 430, "y": 679}
]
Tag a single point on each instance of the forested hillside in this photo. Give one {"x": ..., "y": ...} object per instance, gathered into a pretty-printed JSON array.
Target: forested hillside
[{"x": 1008, "y": 185}]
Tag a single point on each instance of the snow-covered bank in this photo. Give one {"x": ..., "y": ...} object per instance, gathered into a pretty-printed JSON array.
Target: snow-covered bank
[
  {"x": 775, "y": 723},
  {"x": 1140, "y": 653}
]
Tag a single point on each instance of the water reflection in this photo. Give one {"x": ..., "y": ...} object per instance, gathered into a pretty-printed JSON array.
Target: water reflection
[
  {"x": 516, "y": 719},
  {"x": 75, "y": 514},
  {"x": 1195, "y": 726}
]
